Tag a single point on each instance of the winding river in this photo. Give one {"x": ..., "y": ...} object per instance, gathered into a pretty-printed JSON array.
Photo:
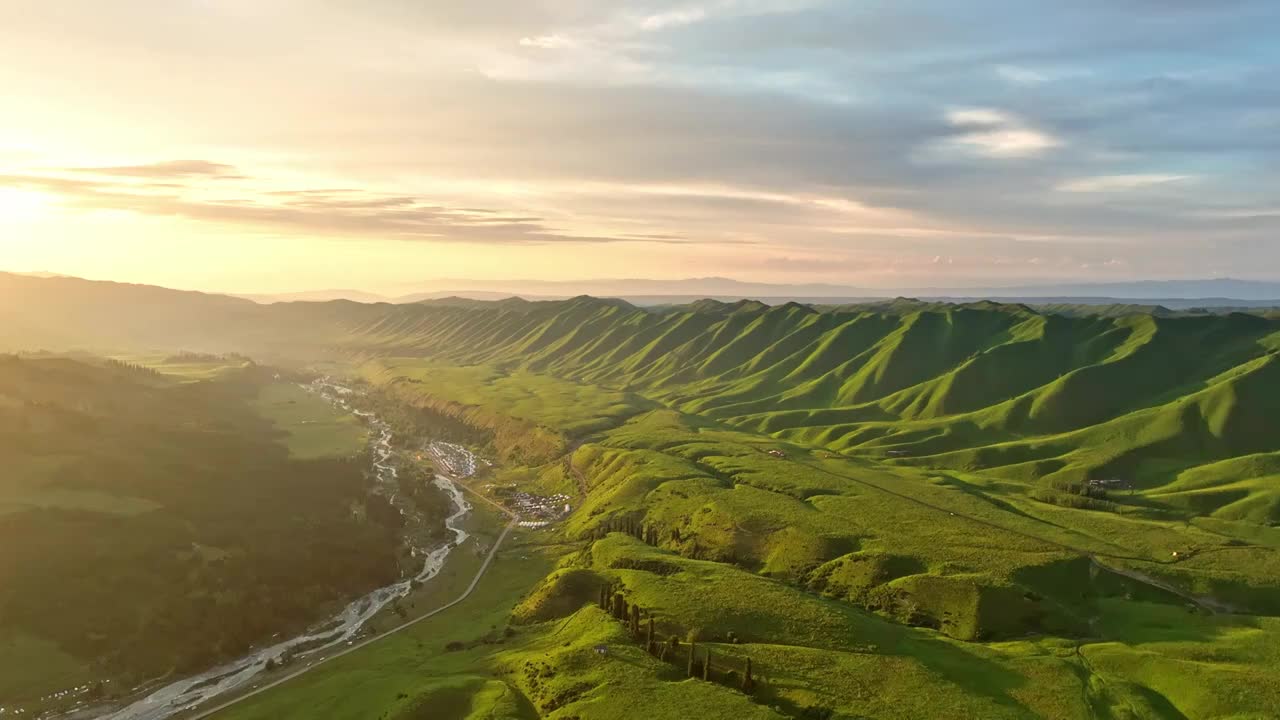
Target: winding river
[{"x": 343, "y": 628}]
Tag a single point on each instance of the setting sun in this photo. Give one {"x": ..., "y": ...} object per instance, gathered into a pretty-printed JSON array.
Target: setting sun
[{"x": 18, "y": 206}]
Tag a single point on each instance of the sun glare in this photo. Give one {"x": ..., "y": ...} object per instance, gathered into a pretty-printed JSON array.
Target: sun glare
[{"x": 18, "y": 205}]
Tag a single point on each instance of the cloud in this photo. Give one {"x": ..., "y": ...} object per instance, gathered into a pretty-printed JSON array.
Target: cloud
[
  {"x": 549, "y": 42},
  {"x": 346, "y": 213},
  {"x": 673, "y": 18},
  {"x": 1021, "y": 75},
  {"x": 1118, "y": 183},
  {"x": 164, "y": 170},
  {"x": 993, "y": 133},
  {"x": 736, "y": 99}
]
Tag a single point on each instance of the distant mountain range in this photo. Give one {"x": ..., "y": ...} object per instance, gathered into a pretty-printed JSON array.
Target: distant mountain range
[
  {"x": 1174, "y": 294},
  {"x": 61, "y": 312}
]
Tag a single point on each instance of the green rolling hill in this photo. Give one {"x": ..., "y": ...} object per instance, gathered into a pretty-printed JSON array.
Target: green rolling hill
[
  {"x": 895, "y": 509},
  {"x": 1047, "y": 399},
  {"x": 1044, "y": 399}
]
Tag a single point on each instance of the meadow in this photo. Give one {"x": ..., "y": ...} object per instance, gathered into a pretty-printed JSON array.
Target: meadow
[{"x": 312, "y": 427}]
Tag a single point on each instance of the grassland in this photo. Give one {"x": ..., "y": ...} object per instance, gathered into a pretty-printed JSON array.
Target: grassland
[
  {"x": 32, "y": 666},
  {"x": 892, "y": 511},
  {"x": 1169, "y": 406},
  {"x": 411, "y": 674},
  {"x": 897, "y": 511},
  {"x": 857, "y": 589},
  {"x": 185, "y": 367},
  {"x": 312, "y": 427},
  {"x": 569, "y": 407}
]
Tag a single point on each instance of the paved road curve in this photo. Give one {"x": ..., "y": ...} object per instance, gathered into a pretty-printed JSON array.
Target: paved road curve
[{"x": 200, "y": 715}]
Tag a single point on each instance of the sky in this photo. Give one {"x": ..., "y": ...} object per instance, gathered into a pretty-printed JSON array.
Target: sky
[{"x": 281, "y": 145}]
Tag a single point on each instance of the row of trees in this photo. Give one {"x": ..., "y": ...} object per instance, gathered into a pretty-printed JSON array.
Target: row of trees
[
  {"x": 644, "y": 532},
  {"x": 632, "y": 615},
  {"x": 651, "y": 534},
  {"x": 131, "y": 367}
]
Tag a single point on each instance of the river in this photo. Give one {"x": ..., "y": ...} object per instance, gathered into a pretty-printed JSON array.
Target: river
[{"x": 189, "y": 692}]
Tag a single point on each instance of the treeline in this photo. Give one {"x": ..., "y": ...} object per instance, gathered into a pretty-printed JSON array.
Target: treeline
[
  {"x": 188, "y": 534},
  {"x": 641, "y": 624},
  {"x": 131, "y": 367},
  {"x": 656, "y": 536},
  {"x": 187, "y": 356}
]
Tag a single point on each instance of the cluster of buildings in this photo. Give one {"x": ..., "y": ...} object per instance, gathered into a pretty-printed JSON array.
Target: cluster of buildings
[
  {"x": 535, "y": 511},
  {"x": 456, "y": 460}
]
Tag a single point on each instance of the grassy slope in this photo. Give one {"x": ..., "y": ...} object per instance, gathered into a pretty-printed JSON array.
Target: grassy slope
[
  {"x": 1046, "y": 400},
  {"x": 786, "y": 553}
]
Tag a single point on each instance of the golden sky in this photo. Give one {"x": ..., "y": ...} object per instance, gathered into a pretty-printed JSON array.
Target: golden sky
[{"x": 278, "y": 145}]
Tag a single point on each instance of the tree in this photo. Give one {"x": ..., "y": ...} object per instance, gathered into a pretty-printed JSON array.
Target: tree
[
  {"x": 649, "y": 639},
  {"x": 748, "y": 683},
  {"x": 706, "y": 666},
  {"x": 693, "y": 651}
]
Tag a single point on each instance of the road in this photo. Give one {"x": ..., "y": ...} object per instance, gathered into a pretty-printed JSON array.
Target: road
[
  {"x": 1205, "y": 602},
  {"x": 484, "y": 567}
]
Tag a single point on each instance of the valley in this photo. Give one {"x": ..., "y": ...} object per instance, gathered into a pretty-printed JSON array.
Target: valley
[
  {"x": 88, "y": 434},
  {"x": 914, "y": 511},
  {"x": 350, "y": 623},
  {"x": 639, "y": 360}
]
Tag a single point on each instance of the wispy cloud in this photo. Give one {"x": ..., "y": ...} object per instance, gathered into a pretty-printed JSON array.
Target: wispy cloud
[
  {"x": 554, "y": 41},
  {"x": 1021, "y": 75},
  {"x": 170, "y": 169},
  {"x": 993, "y": 133},
  {"x": 675, "y": 18},
  {"x": 1119, "y": 183},
  {"x": 325, "y": 212}
]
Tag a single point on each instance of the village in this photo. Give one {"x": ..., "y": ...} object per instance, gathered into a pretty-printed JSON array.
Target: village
[
  {"x": 454, "y": 459},
  {"x": 535, "y": 511}
]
